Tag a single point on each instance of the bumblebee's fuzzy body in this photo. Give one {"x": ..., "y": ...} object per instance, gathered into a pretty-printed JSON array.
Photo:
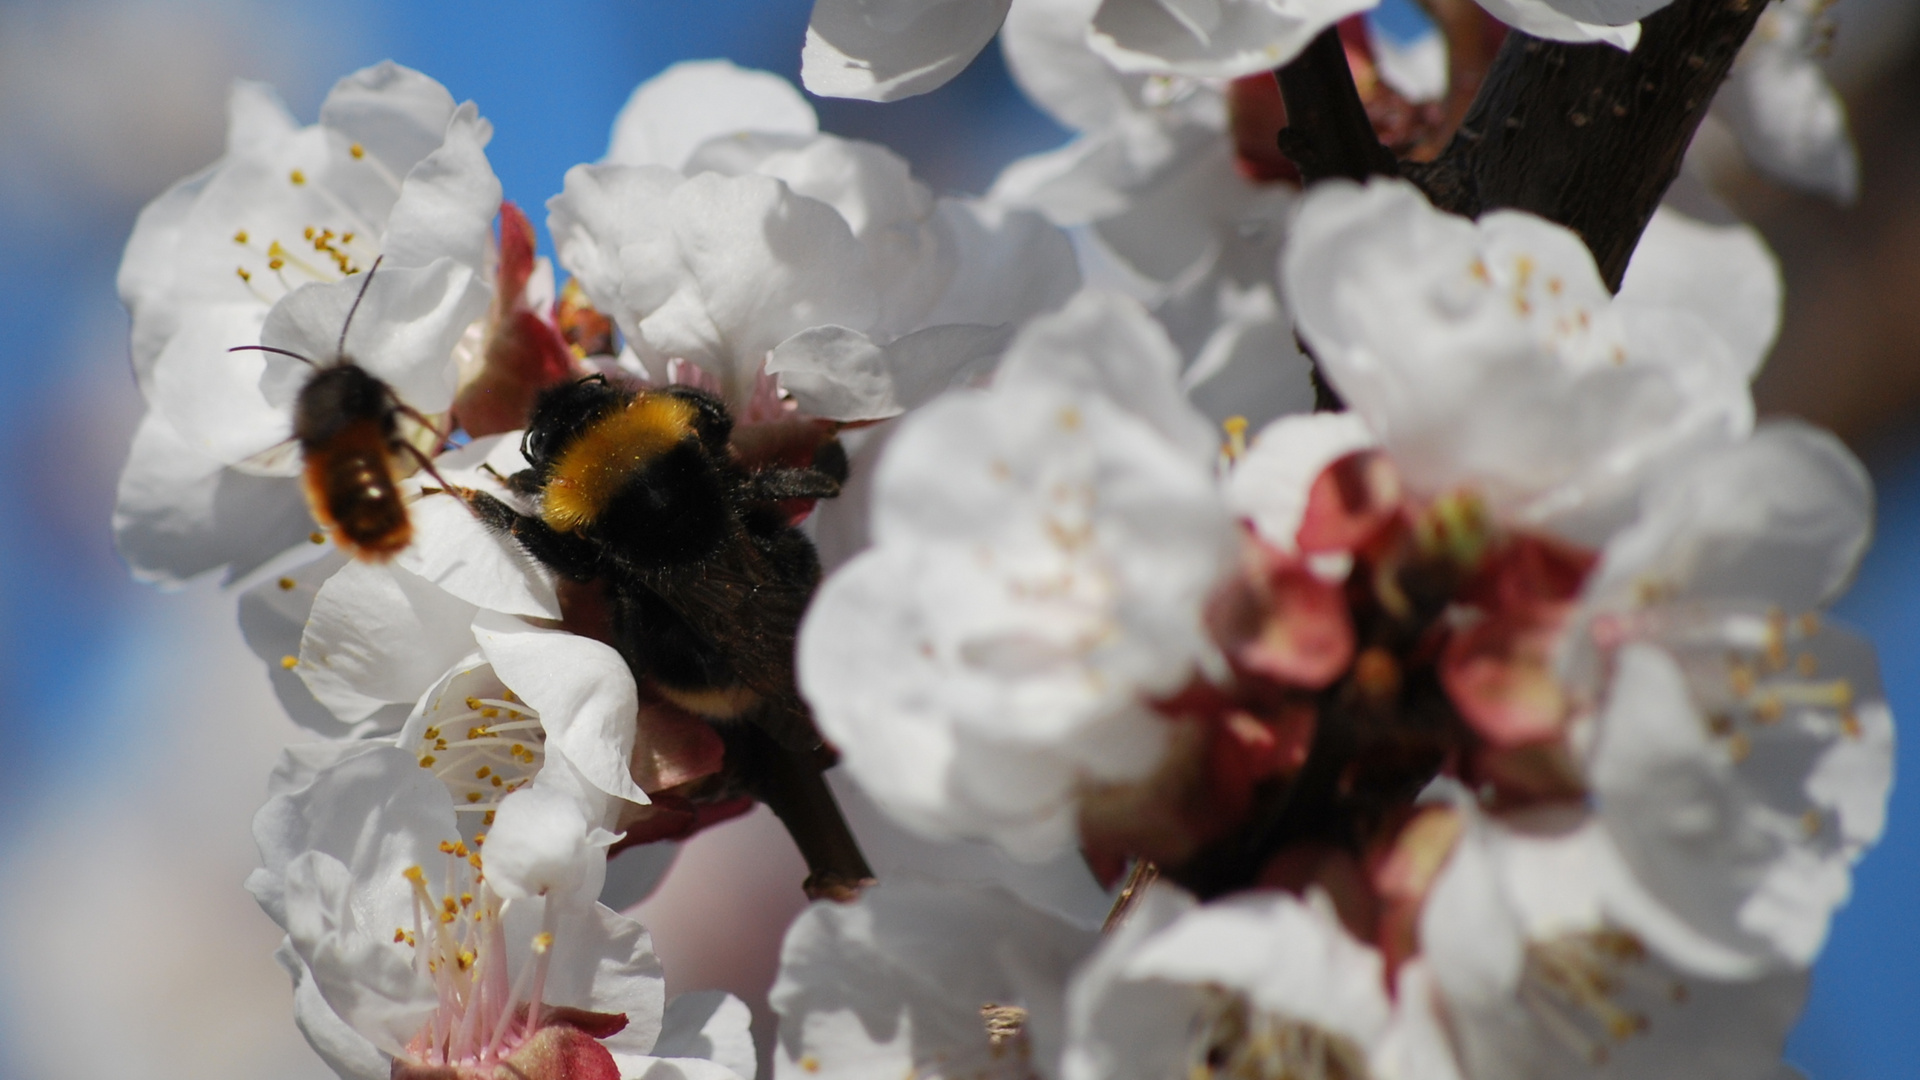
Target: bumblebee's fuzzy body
[
  {"x": 705, "y": 576},
  {"x": 345, "y": 422}
]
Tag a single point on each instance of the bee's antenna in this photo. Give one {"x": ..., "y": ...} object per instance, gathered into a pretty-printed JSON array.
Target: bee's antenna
[
  {"x": 340, "y": 350},
  {"x": 271, "y": 349}
]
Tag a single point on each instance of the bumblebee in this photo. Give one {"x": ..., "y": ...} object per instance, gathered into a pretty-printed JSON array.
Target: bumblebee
[
  {"x": 346, "y": 425},
  {"x": 706, "y": 578}
]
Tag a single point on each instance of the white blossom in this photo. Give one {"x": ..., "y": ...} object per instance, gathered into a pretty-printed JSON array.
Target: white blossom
[
  {"x": 1489, "y": 354},
  {"x": 403, "y": 948},
  {"x": 1259, "y": 984},
  {"x": 859, "y": 293},
  {"x": 1041, "y": 554},
  {"x": 393, "y": 170},
  {"x": 1159, "y": 210}
]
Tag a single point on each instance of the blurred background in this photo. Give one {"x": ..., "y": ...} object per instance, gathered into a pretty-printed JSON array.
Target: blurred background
[{"x": 139, "y": 730}]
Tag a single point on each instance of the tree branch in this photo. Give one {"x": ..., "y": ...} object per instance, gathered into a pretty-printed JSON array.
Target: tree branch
[
  {"x": 1328, "y": 133},
  {"x": 1586, "y": 135}
]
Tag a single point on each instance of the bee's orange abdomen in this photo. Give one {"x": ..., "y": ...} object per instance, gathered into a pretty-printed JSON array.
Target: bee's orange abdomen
[{"x": 352, "y": 490}]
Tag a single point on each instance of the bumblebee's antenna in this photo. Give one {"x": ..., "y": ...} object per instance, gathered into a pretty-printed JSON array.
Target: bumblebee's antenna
[
  {"x": 340, "y": 350},
  {"x": 271, "y": 349}
]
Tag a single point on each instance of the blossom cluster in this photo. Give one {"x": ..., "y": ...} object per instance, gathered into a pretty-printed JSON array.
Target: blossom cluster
[{"x": 1486, "y": 725}]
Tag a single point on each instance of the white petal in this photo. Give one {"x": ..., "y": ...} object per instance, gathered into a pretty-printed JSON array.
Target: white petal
[
  {"x": 1220, "y": 39},
  {"x": 398, "y": 114},
  {"x": 453, "y": 550},
  {"x": 273, "y": 619},
  {"x": 1108, "y": 345},
  {"x": 1270, "y": 482},
  {"x": 895, "y": 981},
  {"x": 1010, "y": 265},
  {"x": 1724, "y": 274},
  {"x": 711, "y": 1025},
  {"x": 894, "y": 49},
  {"x": 380, "y": 635},
  {"x": 1539, "y": 18},
  {"x": 582, "y": 690},
  {"x": 714, "y": 270},
  {"x": 541, "y": 844},
  {"x": 179, "y": 514},
  {"x": 1608, "y": 12},
  {"x": 1782, "y": 517},
  {"x": 671, "y": 114},
  {"x": 1791, "y": 123},
  {"x": 447, "y": 203},
  {"x": 211, "y": 397},
  {"x": 403, "y": 332},
  {"x": 346, "y": 1051},
  {"x": 1047, "y": 52}
]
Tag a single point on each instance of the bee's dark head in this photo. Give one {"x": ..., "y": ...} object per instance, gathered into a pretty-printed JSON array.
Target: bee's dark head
[
  {"x": 336, "y": 397},
  {"x": 562, "y": 413}
]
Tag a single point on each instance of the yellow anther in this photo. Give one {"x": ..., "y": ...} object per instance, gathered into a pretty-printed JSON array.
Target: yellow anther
[
  {"x": 399, "y": 935},
  {"x": 490, "y": 714},
  {"x": 478, "y": 733},
  {"x": 466, "y": 899},
  {"x": 465, "y": 959},
  {"x": 242, "y": 271},
  {"x": 426, "y": 761},
  {"x": 447, "y": 904},
  {"x": 474, "y": 860},
  {"x": 483, "y": 772},
  {"x": 240, "y": 237},
  {"x": 479, "y": 840},
  {"x": 357, "y": 151},
  {"x": 1769, "y": 710},
  {"x": 1806, "y": 665},
  {"x": 516, "y": 750},
  {"x": 542, "y": 941},
  {"x": 508, "y": 695},
  {"x": 288, "y": 663},
  {"x": 1069, "y": 419},
  {"x": 316, "y": 538},
  {"x": 1740, "y": 680},
  {"x": 297, "y": 177},
  {"x": 1808, "y": 623},
  {"x": 1849, "y": 725},
  {"x": 346, "y": 238},
  {"x": 309, "y": 232},
  {"x": 473, "y": 796},
  {"x": 1478, "y": 270},
  {"x": 431, "y": 733},
  {"x": 446, "y": 847},
  {"x": 1810, "y": 823},
  {"x": 275, "y": 264},
  {"x": 809, "y": 1063},
  {"x": 415, "y": 874},
  {"x": 439, "y": 744},
  {"x": 286, "y": 583},
  {"x": 473, "y": 703},
  {"x": 487, "y": 818},
  {"x": 1236, "y": 429},
  {"x": 1738, "y": 748},
  {"x": 496, "y": 781},
  {"x": 447, "y": 917}
]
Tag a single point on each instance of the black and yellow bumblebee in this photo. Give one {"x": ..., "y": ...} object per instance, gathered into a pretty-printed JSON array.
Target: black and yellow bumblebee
[{"x": 707, "y": 578}]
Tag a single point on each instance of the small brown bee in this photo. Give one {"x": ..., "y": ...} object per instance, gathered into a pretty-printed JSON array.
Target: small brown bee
[{"x": 346, "y": 424}]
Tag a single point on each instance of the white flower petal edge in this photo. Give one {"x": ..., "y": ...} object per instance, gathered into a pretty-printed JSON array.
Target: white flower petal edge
[
  {"x": 669, "y": 116},
  {"x": 1263, "y": 977},
  {"x": 1042, "y": 553},
  {"x": 896, "y": 48},
  {"x": 1790, "y": 121},
  {"x": 1221, "y": 39},
  {"x": 1551, "y": 960},
  {"x": 1421, "y": 320},
  {"x": 914, "y": 977}
]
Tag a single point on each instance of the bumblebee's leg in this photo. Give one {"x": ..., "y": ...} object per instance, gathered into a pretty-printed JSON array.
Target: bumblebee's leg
[
  {"x": 780, "y": 482},
  {"x": 793, "y": 788},
  {"x": 566, "y": 554}
]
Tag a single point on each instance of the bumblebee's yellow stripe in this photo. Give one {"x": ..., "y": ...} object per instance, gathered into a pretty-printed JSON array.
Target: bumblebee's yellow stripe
[{"x": 606, "y": 455}]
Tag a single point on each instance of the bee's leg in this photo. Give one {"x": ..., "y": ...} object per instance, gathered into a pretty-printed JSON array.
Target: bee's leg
[
  {"x": 426, "y": 466},
  {"x": 524, "y": 482},
  {"x": 564, "y": 553},
  {"x": 780, "y": 482},
  {"x": 792, "y": 786},
  {"x": 440, "y": 438}
]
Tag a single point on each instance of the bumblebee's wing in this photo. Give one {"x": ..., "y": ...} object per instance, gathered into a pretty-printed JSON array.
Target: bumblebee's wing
[{"x": 280, "y": 459}]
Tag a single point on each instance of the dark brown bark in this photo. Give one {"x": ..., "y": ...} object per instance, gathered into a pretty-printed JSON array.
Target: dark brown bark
[
  {"x": 1328, "y": 133},
  {"x": 1589, "y": 136}
]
